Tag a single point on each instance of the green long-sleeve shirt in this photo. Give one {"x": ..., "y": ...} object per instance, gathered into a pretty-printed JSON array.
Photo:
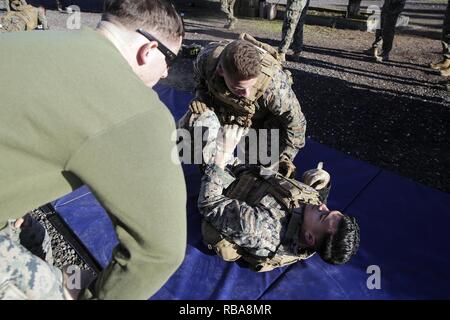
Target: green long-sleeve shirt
[{"x": 72, "y": 111}]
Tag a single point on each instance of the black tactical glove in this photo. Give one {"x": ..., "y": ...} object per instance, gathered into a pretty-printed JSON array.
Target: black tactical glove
[
  {"x": 196, "y": 106},
  {"x": 286, "y": 167}
]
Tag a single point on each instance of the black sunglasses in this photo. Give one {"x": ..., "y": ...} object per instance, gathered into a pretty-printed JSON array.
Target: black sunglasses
[{"x": 169, "y": 54}]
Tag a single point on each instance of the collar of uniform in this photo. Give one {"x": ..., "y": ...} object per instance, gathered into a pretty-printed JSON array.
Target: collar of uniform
[{"x": 291, "y": 239}]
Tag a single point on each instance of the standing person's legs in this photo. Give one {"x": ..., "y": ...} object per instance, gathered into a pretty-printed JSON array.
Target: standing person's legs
[
  {"x": 353, "y": 8},
  {"x": 445, "y": 62},
  {"x": 393, "y": 9},
  {"x": 446, "y": 33},
  {"x": 231, "y": 9},
  {"x": 444, "y": 65},
  {"x": 377, "y": 44},
  {"x": 227, "y": 7},
  {"x": 290, "y": 22},
  {"x": 446, "y": 45},
  {"x": 297, "y": 45}
]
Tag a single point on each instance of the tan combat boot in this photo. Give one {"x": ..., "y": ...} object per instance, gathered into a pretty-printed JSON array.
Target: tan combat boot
[
  {"x": 370, "y": 51},
  {"x": 445, "y": 72},
  {"x": 230, "y": 24},
  {"x": 444, "y": 64},
  {"x": 382, "y": 58},
  {"x": 282, "y": 56}
]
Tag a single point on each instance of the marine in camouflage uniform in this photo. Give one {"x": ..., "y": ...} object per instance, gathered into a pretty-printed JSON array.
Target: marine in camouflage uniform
[
  {"x": 23, "y": 275},
  {"x": 25, "y": 18},
  {"x": 252, "y": 212},
  {"x": 292, "y": 31},
  {"x": 227, "y": 7},
  {"x": 276, "y": 108},
  {"x": 255, "y": 226},
  {"x": 384, "y": 37}
]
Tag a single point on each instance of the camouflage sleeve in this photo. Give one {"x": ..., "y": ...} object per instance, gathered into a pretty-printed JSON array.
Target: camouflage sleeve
[
  {"x": 281, "y": 100},
  {"x": 201, "y": 88},
  {"x": 24, "y": 275},
  {"x": 241, "y": 223}
]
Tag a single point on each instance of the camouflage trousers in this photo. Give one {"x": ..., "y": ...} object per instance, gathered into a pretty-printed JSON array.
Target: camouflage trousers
[
  {"x": 384, "y": 37},
  {"x": 294, "y": 21},
  {"x": 446, "y": 33},
  {"x": 227, "y": 7},
  {"x": 24, "y": 276}
]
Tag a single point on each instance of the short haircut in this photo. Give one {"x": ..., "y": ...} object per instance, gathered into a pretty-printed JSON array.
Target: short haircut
[
  {"x": 159, "y": 16},
  {"x": 241, "y": 59},
  {"x": 338, "y": 248}
]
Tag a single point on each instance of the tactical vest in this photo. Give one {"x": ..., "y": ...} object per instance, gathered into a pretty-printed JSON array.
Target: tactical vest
[
  {"x": 229, "y": 108},
  {"x": 251, "y": 187},
  {"x": 24, "y": 19}
]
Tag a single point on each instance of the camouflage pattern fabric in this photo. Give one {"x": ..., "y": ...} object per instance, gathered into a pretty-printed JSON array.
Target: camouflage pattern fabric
[
  {"x": 384, "y": 37},
  {"x": 27, "y": 18},
  {"x": 227, "y": 7},
  {"x": 278, "y": 103},
  {"x": 24, "y": 275},
  {"x": 204, "y": 126},
  {"x": 446, "y": 33},
  {"x": 256, "y": 229},
  {"x": 294, "y": 21},
  {"x": 261, "y": 230},
  {"x": 4, "y": 4}
]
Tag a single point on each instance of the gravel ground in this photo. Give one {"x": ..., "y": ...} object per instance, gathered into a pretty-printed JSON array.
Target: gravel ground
[
  {"x": 63, "y": 253},
  {"x": 394, "y": 115}
]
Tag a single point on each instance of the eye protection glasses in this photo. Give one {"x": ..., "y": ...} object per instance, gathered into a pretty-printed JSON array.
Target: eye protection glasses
[{"x": 169, "y": 54}]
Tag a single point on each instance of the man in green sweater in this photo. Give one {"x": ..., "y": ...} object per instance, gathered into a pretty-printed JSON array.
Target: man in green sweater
[{"x": 91, "y": 118}]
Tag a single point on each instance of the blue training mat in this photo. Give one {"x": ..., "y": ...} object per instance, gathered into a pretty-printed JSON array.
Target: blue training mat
[{"x": 403, "y": 233}]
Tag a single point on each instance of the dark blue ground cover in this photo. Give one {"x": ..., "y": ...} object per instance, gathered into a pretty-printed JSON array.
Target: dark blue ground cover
[{"x": 403, "y": 231}]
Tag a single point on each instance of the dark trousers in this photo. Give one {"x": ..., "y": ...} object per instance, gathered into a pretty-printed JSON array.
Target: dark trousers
[{"x": 384, "y": 36}]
